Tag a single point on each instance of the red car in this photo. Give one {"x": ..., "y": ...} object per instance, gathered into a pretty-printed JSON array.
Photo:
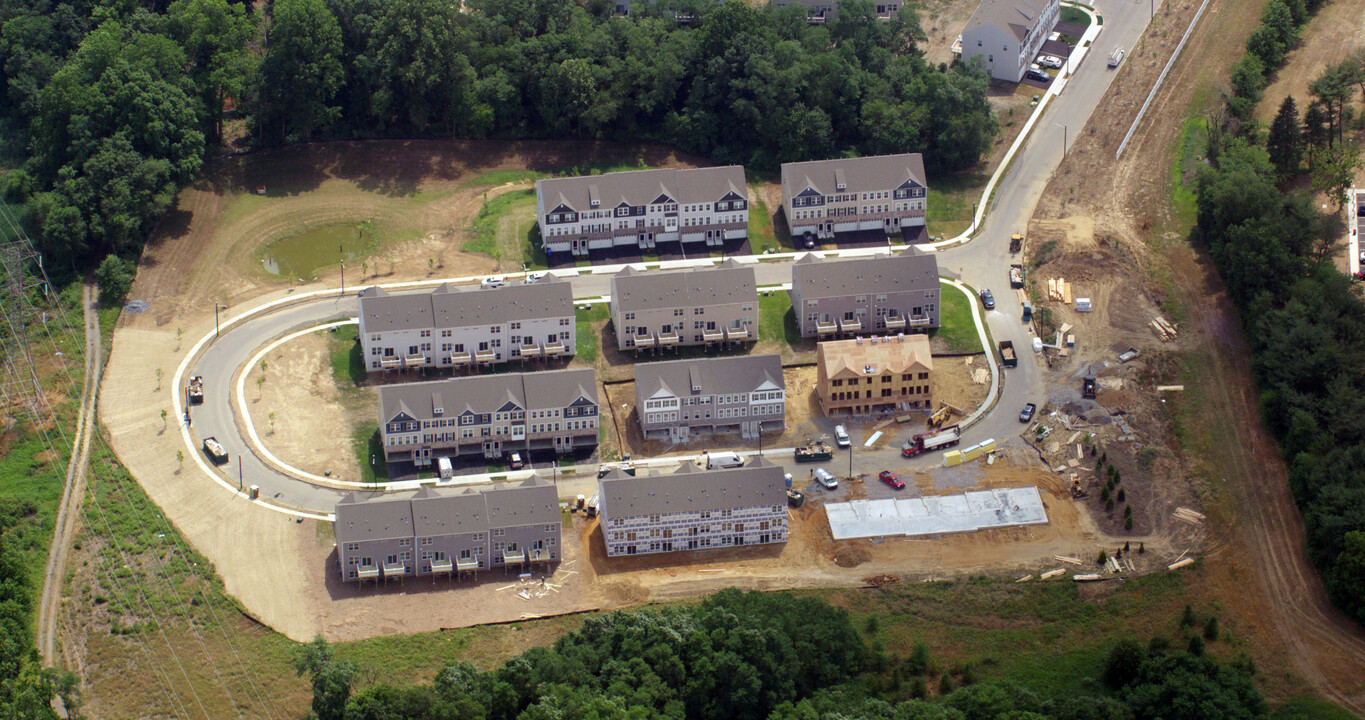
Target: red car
[{"x": 892, "y": 479}]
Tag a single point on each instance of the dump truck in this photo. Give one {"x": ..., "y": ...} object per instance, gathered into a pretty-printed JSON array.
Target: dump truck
[
  {"x": 1016, "y": 275},
  {"x": 195, "y": 391},
  {"x": 1016, "y": 242},
  {"x": 814, "y": 452},
  {"x": 1007, "y": 356},
  {"x": 215, "y": 450},
  {"x": 945, "y": 437},
  {"x": 1088, "y": 387}
]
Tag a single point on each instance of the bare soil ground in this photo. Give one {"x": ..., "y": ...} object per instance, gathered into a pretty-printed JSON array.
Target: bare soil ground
[
  {"x": 942, "y": 21},
  {"x": 310, "y": 428},
  {"x": 1253, "y": 543}
]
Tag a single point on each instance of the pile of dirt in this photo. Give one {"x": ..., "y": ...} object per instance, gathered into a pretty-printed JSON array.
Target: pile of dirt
[
  {"x": 851, "y": 555},
  {"x": 880, "y": 580}
]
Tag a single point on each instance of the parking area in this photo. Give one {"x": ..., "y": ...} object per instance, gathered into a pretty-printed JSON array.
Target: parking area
[{"x": 666, "y": 251}]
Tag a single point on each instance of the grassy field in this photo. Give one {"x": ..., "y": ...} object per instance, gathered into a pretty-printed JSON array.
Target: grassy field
[
  {"x": 761, "y": 236},
  {"x": 589, "y": 341},
  {"x": 518, "y": 176},
  {"x": 503, "y": 225},
  {"x": 956, "y": 326},
  {"x": 952, "y": 200}
]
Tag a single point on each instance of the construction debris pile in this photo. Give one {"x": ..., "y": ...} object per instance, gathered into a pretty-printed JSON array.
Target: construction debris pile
[
  {"x": 880, "y": 580},
  {"x": 528, "y": 587}
]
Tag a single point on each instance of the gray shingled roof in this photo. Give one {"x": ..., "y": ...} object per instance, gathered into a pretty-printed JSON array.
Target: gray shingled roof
[
  {"x": 691, "y": 489},
  {"x": 533, "y": 502},
  {"x": 487, "y": 393},
  {"x": 814, "y": 278},
  {"x": 878, "y": 172},
  {"x": 439, "y": 513},
  {"x": 641, "y": 187},
  {"x": 1011, "y": 16},
  {"x": 729, "y": 282},
  {"x": 383, "y": 517},
  {"x": 717, "y": 376},
  {"x": 451, "y": 307}
]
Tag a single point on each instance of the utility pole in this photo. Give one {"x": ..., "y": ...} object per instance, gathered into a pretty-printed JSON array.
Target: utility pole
[{"x": 343, "y": 279}]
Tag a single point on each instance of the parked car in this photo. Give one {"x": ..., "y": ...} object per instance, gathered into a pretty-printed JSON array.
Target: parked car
[
  {"x": 988, "y": 299},
  {"x": 494, "y": 281},
  {"x": 1038, "y": 75},
  {"x": 841, "y": 436},
  {"x": 892, "y": 479},
  {"x": 1026, "y": 414},
  {"x": 535, "y": 276},
  {"x": 1051, "y": 61},
  {"x": 824, "y": 478}
]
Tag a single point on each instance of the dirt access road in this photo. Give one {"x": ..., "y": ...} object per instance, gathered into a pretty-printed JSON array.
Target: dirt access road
[
  {"x": 1257, "y": 534},
  {"x": 74, "y": 491}
]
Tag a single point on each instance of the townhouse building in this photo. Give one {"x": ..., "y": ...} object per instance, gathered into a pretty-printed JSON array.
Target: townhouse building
[
  {"x": 1007, "y": 34},
  {"x": 641, "y": 208},
  {"x": 452, "y": 327},
  {"x": 822, "y": 11},
  {"x": 701, "y": 306},
  {"x": 856, "y": 296},
  {"x": 433, "y": 531},
  {"x": 693, "y": 509},
  {"x": 872, "y": 376},
  {"x": 745, "y": 393},
  {"x": 489, "y": 415},
  {"x": 884, "y": 192}
]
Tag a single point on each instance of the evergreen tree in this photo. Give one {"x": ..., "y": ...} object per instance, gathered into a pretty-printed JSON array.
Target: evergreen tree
[
  {"x": 1285, "y": 144},
  {"x": 1315, "y": 133}
]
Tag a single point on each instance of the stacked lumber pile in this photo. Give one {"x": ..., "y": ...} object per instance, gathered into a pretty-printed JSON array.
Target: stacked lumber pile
[
  {"x": 1187, "y": 515},
  {"x": 1165, "y": 330},
  {"x": 1059, "y": 289}
]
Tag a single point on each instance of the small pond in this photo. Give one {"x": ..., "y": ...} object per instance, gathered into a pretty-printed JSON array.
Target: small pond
[{"x": 303, "y": 254}]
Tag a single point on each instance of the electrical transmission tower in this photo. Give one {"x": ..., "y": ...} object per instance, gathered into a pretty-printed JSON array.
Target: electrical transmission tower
[{"x": 20, "y": 391}]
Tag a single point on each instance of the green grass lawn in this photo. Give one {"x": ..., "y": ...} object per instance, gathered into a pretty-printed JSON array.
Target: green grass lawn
[
  {"x": 761, "y": 236},
  {"x": 503, "y": 176},
  {"x": 347, "y": 357},
  {"x": 956, "y": 326},
  {"x": 589, "y": 341},
  {"x": 952, "y": 200},
  {"x": 365, "y": 440},
  {"x": 503, "y": 226},
  {"x": 774, "y": 313}
]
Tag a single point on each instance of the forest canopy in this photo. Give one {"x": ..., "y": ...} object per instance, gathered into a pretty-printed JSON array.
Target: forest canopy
[{"x": 113, "y": 106}]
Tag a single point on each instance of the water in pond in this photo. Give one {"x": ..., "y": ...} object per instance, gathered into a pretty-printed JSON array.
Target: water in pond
[{"x": 303, "y": 254}]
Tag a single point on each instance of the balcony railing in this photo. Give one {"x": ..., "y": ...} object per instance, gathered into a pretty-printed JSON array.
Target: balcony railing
[
  {"x": 919, "y": 321},
  {"x": 670, "y": 338},
  {"x": 734, "y": 334},
  {"x": 464, "y": 564},
  {"x": 554, "y": 349},
  {"x": 484, "y": 356},
  {"x": 528, "y": 351},
  {"x": 414, "y": 361},
  {"x": 895, "y": 322},
  {"x": 513, "y": 556},
  {"x": 461, "y": 358},
  {"x": 396, "y": 568},
  {"x": 826, "y": 328},
  {"x": 644, "y": 342},
  {"x": 444, "y": 566},
  {"x": 713, "y": 335},
  {"x": 850, "y": 326},
  {"x": 366, "y": 572},
  {"x": 389, "y": 361}
]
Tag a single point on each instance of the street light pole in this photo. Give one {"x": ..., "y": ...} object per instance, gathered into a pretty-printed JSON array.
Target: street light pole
[
  {"x": 343, "y": 279},
  {"x": 216, "y": 306}
]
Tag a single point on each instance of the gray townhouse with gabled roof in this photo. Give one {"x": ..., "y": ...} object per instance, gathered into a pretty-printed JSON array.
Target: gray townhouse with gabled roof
[
  {"x": 453, "y": 327},
  {"x": 744, "y": 392},
  {"x": 693, "y": 508},
  {"x": 1007, "y": 34},
  {"x": 699, "y": 306},
  {"x": 866, "y": 295},
  {"x": 437, "y": 530},
  {"x": 821, "y": 11},
  {"x": 642, "y": 208},
  {"x": 884, "y": 192},
  {"x": 489, "y": 415}
]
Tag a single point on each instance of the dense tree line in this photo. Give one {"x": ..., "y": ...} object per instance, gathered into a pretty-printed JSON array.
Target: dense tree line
[
  {"x": 1305, "y": 325},
  {"x": 755, "y": 655},
  {"x": 123, "y": 100},
  {"x": 26, "y": 689}
]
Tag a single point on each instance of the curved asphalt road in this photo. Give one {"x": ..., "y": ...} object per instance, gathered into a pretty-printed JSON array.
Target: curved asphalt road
[{"x": 981, "y": 263}]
